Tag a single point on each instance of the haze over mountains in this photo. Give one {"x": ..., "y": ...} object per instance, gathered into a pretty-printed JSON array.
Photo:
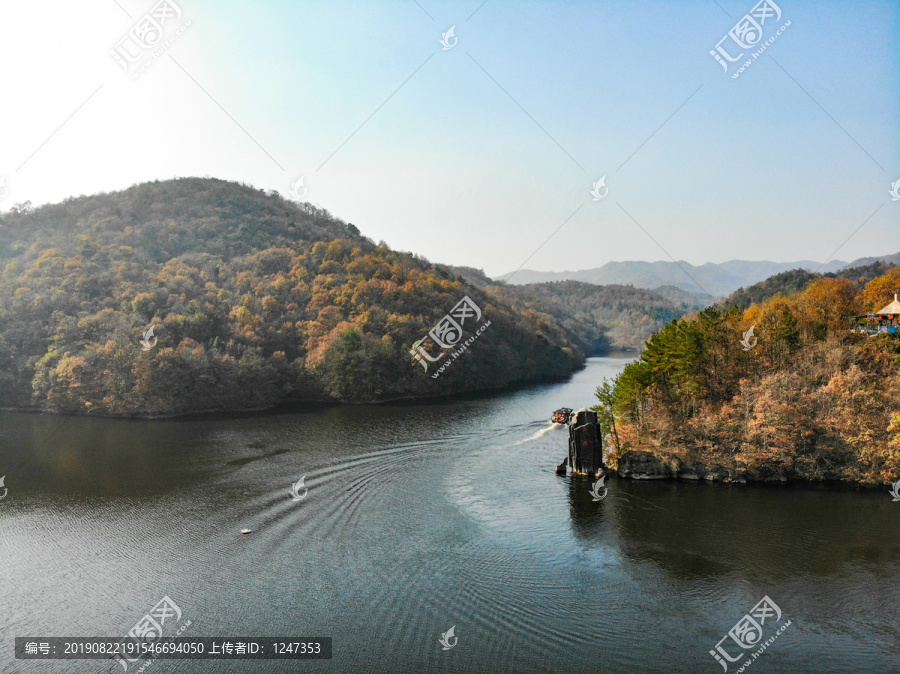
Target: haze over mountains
[{"x": 712, "y": 279}]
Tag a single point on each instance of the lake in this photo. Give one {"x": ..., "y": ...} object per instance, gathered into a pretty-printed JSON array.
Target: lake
[{"x": 422, "y": 517}]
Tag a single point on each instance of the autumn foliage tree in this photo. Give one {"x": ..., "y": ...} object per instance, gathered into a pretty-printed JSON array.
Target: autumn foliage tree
[
  {"x": 810, "y": 399},
  {"x": 254, "y": 301}
]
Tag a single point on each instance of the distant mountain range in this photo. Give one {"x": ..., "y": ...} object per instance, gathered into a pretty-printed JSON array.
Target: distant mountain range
[
  {"x": 864, "y": 261},
  {"x": 709, "y": 279}
]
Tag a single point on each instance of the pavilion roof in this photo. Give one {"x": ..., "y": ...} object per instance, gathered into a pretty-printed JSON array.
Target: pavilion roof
[{"x": 892, "y": 308}]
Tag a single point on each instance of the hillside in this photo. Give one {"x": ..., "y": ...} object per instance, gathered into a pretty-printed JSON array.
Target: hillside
[
  {"x": 707, "y": 279},
  {"x": 865, "y": 261},
  {"x": 680, "y": 296},
  {"x": 627, "y": 315},
  {"x": 796, "y": 280},
  {"x": 255, "y": 301},
  {"x": 622, "y": 317},
  {"x": 809, "y": 399},
  {"x": 474, "y": 276}
]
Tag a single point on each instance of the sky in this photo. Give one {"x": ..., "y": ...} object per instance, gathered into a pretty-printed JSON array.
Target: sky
[{"x": 481, "y": 150}]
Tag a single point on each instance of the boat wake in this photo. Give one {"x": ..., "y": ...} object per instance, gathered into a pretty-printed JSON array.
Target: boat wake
[{"x": 540, "y": 433}]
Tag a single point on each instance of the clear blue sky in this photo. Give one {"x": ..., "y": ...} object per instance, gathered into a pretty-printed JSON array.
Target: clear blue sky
[{"x": 490, "y": 146}]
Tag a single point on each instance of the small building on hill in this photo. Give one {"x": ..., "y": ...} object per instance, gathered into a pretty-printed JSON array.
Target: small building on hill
[{"x": 884, "y": 320}]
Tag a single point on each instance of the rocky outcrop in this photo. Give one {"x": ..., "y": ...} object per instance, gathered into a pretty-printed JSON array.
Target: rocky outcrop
[{"x": 643, "y": 466}]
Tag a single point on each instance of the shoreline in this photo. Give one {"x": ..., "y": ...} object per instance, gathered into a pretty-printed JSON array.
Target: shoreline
[
  {"x": 287, "y": 406},
  {"x": 646, "y": 466},
  {"x": 300, "y": 405},
  {"x": 831, "y": 484}
]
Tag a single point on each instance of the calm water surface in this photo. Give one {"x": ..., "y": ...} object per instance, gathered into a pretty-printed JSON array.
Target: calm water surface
[{"x": 421, "y": 517}]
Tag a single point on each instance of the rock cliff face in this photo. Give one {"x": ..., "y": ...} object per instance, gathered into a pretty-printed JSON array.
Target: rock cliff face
[
  {"x": 643, "y": 466},
  {"x": 639, "y": 465}
]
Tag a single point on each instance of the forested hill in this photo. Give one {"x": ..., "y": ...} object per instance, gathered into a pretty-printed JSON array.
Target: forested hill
[
  {"x": 628, "y": 315},
  {"x": 796, "y": 280},
  {"x": 621, "y": 317},
  {"x": 797, "y": 386},
  {"x": 255, "y": 300}
]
